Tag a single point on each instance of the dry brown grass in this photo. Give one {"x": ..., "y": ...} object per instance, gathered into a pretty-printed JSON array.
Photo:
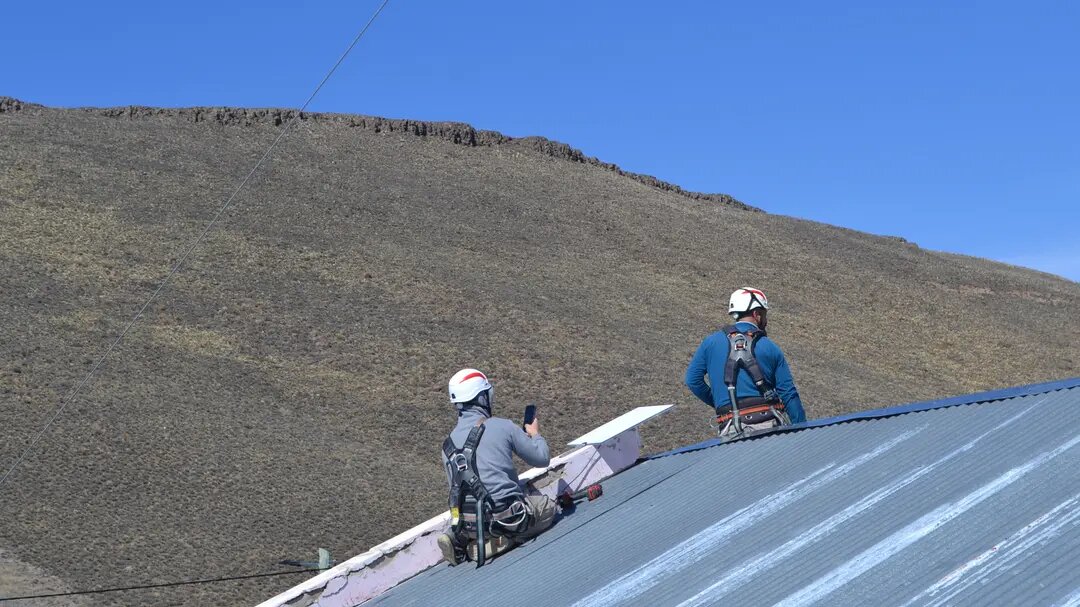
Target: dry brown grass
[{"x": 287, "y": 390}]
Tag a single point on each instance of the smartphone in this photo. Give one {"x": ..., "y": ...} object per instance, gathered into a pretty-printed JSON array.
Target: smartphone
[{"x": 530, "y": 415}]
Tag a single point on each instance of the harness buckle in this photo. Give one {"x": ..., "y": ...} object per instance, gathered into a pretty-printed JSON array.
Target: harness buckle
[
  {"x": 739, "y": 341},
  {"x": 460, "y": 462}
]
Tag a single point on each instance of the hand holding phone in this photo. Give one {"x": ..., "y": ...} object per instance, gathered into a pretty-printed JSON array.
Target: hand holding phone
[{"x": 529, "y": 425}]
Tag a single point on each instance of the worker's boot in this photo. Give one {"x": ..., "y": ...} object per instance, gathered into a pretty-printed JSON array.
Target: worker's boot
[
  {"x": 450, "y": 549},
  {"x": 493, "y": 546}
]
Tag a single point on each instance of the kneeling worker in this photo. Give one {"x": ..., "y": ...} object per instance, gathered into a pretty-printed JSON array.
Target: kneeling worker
[
  {"x": 745, "y": 369},
  {"x": 486, "y": 499}
]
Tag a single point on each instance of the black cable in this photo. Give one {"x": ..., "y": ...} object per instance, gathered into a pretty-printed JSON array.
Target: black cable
[
  {"x": 162, "y": 585},
  {"x": 180, "y": 262},
  {"x": 176, "y": 268}
]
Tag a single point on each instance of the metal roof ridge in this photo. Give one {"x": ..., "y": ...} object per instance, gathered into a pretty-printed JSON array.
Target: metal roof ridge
[{"x": 929, "y": 405}]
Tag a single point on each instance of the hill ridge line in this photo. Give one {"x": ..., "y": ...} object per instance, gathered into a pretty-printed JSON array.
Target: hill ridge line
[{"x": 458, "y": 133}]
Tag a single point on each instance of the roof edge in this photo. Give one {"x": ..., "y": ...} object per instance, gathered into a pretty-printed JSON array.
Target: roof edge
[
  {"x": 369, "y": 574},
  {"x": 952, "y": 401}
]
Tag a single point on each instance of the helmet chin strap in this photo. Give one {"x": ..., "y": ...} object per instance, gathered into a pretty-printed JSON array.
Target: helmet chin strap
[{"x": 483, "y": 402}]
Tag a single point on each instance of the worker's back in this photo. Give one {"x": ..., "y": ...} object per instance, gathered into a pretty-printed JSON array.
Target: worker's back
[{"x": 494, "y": 455}]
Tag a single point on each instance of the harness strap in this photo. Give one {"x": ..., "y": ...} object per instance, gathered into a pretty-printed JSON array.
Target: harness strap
[
  {"x": 751, "y": 401},
  {"x": 464, "y": 480},
  {"x": 512, "y": 519},
  {"x": 724, "y": 418},
  {"x": 465, "y": 483},
  {"x": 741, "y": 355},
  {"x": 471, "y": 442},
  {"x": 448, "y": 447}
]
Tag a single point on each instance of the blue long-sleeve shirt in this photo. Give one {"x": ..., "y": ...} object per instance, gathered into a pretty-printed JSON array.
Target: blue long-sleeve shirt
[{"x": 711, "y": 357}]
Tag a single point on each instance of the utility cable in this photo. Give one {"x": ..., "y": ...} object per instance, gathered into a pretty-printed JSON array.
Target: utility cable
[
  {"x": 161, "y": 585},
  {"x": 180, "y": 262}
]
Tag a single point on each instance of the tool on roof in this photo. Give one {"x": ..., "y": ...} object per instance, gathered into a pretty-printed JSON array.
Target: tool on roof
[{"x": 568, "y": 499}]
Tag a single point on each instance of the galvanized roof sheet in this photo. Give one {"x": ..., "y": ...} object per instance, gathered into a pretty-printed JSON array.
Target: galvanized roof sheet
[{"x": 973, "y": 505}]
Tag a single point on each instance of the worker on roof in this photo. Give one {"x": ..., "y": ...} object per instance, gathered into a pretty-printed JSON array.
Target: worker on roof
[
  {"x": 751, "y": 384},
  {"x": 489, "y": 510}
]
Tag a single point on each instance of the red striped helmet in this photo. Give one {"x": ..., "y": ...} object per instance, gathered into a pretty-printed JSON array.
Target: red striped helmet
[
  {"x": 746, "y": 299},
  {"x": 467, "y": 384}
]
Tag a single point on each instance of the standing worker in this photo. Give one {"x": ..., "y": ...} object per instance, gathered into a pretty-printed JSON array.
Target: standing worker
[
  {"x": 751, "y": 384},
  {"x": 489, "y": 511}
]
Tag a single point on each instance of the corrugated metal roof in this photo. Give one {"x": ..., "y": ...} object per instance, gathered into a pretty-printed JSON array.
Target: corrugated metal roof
[
  {"x": 952, "y": 401},
  {"x": 970, "y": 505}
]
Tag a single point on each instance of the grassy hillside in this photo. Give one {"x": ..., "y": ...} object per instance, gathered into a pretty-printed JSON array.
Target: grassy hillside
[{"x": 287, "y": 391}]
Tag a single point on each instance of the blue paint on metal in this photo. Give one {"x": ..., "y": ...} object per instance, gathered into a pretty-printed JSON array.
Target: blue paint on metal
[
  {"x": 953, "y": 401},
  {"x": 924, "y": 505}
]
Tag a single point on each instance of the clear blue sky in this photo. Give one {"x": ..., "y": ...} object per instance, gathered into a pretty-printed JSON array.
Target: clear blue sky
[{"x": 954, "y": 125}]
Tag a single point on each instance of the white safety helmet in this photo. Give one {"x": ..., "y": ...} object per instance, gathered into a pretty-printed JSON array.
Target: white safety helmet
[
  {"x": 467, "y": 384},
  {"x": 746, "y": 299}
]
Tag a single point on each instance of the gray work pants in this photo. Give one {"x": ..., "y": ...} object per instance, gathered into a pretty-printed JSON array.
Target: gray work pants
[
  {"x": 542, "y": 508},
  {"x": 542, "y": 514},
  {"x": 766, "y": 425}
]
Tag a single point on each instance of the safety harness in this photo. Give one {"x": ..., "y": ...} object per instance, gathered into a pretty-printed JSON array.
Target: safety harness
[
  {"x": 471, "y": 507},
  {"x": 754, "y": 409}
]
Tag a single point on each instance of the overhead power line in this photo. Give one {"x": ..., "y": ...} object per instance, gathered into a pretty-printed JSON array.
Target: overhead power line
[
  {"x": 161, "y": 585},
  {"x": 187, "y": 252}
]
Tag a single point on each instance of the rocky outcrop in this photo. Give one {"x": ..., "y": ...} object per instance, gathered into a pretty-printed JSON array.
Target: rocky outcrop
[
  {"x": 455, "y": 132},
  {"x": 10, "y": 104}
]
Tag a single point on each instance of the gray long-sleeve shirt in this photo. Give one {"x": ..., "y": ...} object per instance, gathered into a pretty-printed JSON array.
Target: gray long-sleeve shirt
[{"x": 494, "y": 455}]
